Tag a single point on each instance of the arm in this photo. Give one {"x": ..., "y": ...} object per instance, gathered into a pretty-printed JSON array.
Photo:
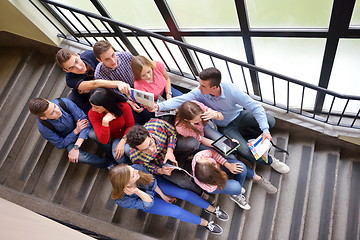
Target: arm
[
  {"x": 86, "y": 86},
  {"x": 102, "y": 132},
  {"x": 175, "y": 102},
  {"x": 74, "y": 153},
  {"x": 168, "y": 85},
  {"x": 78, "y": 114}
]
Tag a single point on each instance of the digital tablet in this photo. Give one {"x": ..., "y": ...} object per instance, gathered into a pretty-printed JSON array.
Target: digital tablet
[{"x": 225, "y": 145}]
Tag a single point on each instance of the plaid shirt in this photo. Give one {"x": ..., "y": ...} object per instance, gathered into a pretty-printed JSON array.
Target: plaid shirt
[
  {"x": 165, "y": 137},
  {"x": 122, "y": 72}
]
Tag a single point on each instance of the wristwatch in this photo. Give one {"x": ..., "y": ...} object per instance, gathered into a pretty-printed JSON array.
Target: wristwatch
[
  {"x": 170, "y": 93},
  {"x": 76, "y": 147}
]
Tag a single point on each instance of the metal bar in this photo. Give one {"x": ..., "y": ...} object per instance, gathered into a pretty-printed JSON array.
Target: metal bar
[
  {"x": 82, "y": 24},
  {"x": 174, "y": 29},
  {"x": 212, "y": 61},
  {"x": 113, "y": 36},
  {"x": 72, "y": 24},
  {"x": 197, "y": 57},
  {"x": 330, "y": 109},
  {"x": 357, "y": 115},
  {"x": 142, "y": 45},
  {"x": 273, "y": 88},
  {"x": 302, "y": 100},
  {"x": 246, "y": 86},
  {"x": 53, "y": 13},
  {"x": 342, "y": 114},
  {"x": 97, "y": 29},
  {"x": 172, "y": 56},
  {"x": 288, "y": 97},
  {"x": 158, "y": 52},
  {"x": 227, "y": 66},
  {"x": 98, "y": 5}
]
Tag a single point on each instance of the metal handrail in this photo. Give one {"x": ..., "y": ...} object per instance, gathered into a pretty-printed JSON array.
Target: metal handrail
[{"x": 137, "y": 33}]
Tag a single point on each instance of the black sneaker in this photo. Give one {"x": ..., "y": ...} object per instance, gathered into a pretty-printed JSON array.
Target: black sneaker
[
  {"x": 220, "y": 214},
  {"x": 213, "y": 228}
]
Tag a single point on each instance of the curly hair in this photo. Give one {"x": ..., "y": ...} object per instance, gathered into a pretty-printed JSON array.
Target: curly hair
[{"x": 136, "y": 135}]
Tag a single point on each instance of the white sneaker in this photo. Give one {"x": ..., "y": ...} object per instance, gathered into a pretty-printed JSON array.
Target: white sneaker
[
  {"x": 240, "y": 201},
  {"x": 279, "y": 166},
  {"x": 243, "y": 190}
]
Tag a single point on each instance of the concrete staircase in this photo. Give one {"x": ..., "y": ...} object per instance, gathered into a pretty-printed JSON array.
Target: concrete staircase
[{"x": 318, "y": 199}]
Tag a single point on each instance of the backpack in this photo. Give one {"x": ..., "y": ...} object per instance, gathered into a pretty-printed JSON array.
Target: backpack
[{"x": 48, "y": 124}]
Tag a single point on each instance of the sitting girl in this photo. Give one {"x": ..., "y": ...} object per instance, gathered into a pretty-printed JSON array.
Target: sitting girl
[
  {"x": 111, "y": 118},
  {"x": 133, "y": 187},
  {"x": 151, "y": 76},
  {"x": 190, "y": 122}
]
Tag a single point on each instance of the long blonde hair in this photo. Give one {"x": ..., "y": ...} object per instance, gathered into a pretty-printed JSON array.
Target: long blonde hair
[
  {"x": 120, "y": 177},
  {"x": 137, "y": 64}
]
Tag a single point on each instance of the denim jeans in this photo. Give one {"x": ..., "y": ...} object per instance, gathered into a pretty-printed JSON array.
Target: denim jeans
[
  {"x": 109, "y": 148},
  {"x": 235, "y": 128},
  {"x": 233, "y": 187},
  {"x": 163, "y": 208},
  {"x": 89, "y": 158}
]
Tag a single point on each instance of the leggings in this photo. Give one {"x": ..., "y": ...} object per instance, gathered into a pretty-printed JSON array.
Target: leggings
[{"x": 163, "y": 208}]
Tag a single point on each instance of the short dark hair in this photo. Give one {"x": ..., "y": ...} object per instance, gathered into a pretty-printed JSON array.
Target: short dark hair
[
  {"x": 63, "y": 55},
  {"x": 38, "y": 106},
  {"x": 108, "y": 99},
  {"x": 100, "y": 47},
  {"x": 136, "y": 135},
  {"x": 211, "y": 74}
]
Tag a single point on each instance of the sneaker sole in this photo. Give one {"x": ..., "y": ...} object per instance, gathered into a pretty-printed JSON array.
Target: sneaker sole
[{"x": 241, "y": 206}]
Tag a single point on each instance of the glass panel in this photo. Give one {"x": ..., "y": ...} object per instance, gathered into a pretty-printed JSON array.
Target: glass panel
[
  {"x": 289, "y": 14},
  {"x": 297, "y": 58},
  {"x": 355, "y": 19},
  {"x": 345, "y": 73},
  {"x": 204, "y": 13},
  {"x": 85, "y": 5},
  {"x": 139, "y": 13}
]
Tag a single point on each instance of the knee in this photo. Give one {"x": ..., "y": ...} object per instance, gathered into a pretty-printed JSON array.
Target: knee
[
  {"x": 92, "y": 135},
  {"x": 271, "y": 120}
]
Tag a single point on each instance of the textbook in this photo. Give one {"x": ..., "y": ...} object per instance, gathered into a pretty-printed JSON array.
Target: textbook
[
  {"x": 144, "y": 98},
  {"x": 225, "y": 145},
  {"x": 258, "y": 149}
]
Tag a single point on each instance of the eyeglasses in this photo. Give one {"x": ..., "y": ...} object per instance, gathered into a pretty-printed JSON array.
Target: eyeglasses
[{"x": 152, "y": 144}]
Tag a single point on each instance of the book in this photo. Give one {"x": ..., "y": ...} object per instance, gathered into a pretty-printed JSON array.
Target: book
[
  {"x": 142, "y": 97},
  {"x": 225, "y": 145},
  {"x": 163, "y": 113},
  {"x": 259, "y": 148}
]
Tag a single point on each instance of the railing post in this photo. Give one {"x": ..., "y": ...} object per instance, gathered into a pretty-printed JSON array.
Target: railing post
[
  {"x": 116, "y": 29},
  {"x": 244, "y": 27},
  {"x": 174, "y": 30}
]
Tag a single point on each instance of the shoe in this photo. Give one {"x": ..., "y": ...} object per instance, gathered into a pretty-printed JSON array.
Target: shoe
[
  {"x": 210, "y": 198},
  {"x": 243, "y": 190},
  {"x": 265, "y": 184},
  {"x": 279, "y": 166},
  {"x": 220, "y": 214},
  {"x": 240, "y": 201},
  {"x": 213, "y": 228},
  {"x": 111, "y": 165}
]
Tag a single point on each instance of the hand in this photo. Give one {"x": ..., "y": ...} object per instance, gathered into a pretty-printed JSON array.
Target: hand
[
  {"x": 207, "y": 115},
  {"x": 168, "y": 199},
  {"x": 266, "y": 136},
  {"x": 165, "y": 170},
  {"x": 170, "y": 157},
  {"x": 124, "y": 88},
  {"x": 155, "y": 109},
  {"x": 129, "y": 190},
  {"x": 235, "y": 140},
  {"x": 108, "y": 118},
  {"x": 135, "y": 107},
  {"x": 119, "y": 150},
  {"x": 80, "y": 125},
  {"x": 74, "y": 155},
  {"x": 235, "y": 168}
]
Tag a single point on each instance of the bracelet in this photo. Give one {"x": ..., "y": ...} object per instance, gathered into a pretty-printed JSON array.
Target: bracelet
[{"x": 170, "y": 93}]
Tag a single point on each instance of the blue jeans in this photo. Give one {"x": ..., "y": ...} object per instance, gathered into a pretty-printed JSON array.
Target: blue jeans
[
  {"x": 163, "y": 208},
  {"x": 233, "y": 187},
  {"x": 89, "y": 158},
  {"x": 234, "y": 129}
]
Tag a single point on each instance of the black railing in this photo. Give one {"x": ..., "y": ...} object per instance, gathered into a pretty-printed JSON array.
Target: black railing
[{"x": 186, "y": 60}]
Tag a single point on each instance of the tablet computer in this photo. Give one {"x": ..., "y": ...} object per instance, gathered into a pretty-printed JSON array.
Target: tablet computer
[{"x": 225, "y": 145}]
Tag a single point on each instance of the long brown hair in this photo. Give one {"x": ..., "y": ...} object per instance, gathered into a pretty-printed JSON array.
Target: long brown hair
[
  {"x": 207, "y": 173},
  {"x": 120, "y": 177},
  {"x": 186, "y": 112}
]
